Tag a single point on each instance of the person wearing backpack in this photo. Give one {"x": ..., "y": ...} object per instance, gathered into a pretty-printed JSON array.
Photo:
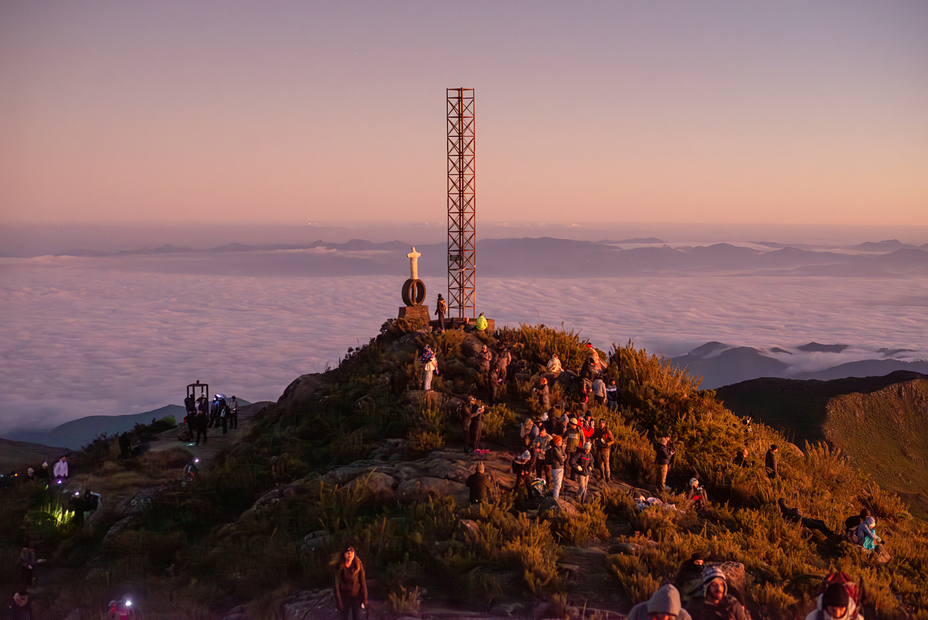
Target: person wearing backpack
[
  {"x": 838, "y": 600},
  {"x": 603, "y": 440}
]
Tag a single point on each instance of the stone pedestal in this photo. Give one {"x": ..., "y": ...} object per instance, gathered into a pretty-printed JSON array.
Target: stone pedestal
[{"x": 414, "y": 312}]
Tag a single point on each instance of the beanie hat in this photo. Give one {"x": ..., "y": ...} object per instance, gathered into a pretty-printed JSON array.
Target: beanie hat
[
  {"x": 587, "y": 445},
  {"x": 835, "y": 596},
  {"x": 710, "y": 574}
]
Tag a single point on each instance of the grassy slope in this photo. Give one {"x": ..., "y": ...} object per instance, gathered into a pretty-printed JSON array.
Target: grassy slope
[{"x": 885, "y": 433}]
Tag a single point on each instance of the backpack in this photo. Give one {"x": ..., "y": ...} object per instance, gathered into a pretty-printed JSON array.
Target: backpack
[{"x": 850, "y": 586}]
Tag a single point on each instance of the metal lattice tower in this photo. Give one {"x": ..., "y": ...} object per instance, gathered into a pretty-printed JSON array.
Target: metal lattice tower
[{"x": 462, "y": 232}]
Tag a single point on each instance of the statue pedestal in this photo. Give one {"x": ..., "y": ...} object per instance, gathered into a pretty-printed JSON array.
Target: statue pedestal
[{"x": 414, "y": 312}]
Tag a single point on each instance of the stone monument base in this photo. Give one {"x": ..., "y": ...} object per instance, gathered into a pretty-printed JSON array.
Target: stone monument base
[{"x": 414, "y": 312}]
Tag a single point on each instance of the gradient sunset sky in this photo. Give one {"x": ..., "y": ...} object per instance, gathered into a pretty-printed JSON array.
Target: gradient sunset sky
[{"x": 731, "y": 112}]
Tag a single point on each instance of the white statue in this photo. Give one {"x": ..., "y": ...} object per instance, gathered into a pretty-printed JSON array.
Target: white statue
[{"x": 414, "y": 263}]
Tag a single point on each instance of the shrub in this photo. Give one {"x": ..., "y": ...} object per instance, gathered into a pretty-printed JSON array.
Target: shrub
[{"x": 496, "y": 419}]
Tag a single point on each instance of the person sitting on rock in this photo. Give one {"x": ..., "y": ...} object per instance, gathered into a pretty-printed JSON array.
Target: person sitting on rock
[
  {"x": 866, "y": 534},
  {"x": 689, "y": 578},
  {"x": 851, "y": 524},
  {"x": 479, "y": 484},
  {"x": 481, "y": 324},
  {"x": 664, "y": 604},
  {"x": 717, "y": 603},
  {"x": 741, "y": 459},
  {"x": 554, "y": 365},
  {"x": 697, "y": 494}
]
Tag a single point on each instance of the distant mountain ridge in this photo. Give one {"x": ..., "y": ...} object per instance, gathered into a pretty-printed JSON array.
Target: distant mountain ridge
[
  {"x": 562, "y": 258},
  {"x": 720, "y": 364}
]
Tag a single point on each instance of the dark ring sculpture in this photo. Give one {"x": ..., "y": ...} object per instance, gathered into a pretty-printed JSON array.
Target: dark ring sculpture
[{"x": 413, "y": 292}]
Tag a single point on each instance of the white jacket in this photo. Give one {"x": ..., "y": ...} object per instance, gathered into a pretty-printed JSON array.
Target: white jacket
[{"x": 61, "y": 469}]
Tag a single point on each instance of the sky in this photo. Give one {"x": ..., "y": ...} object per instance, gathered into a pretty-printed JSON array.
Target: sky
[{"x": 786, "y": 113}]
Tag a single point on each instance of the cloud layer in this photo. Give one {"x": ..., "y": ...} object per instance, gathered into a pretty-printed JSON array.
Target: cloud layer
[{"x": 87, "y": 336}]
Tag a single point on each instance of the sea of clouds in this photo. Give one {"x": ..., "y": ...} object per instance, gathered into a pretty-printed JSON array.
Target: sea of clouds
[{"x": 90, "y": 336}]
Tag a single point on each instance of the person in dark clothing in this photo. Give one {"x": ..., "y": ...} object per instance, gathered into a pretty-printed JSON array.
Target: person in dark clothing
[
  {"x": 27, "y": 564},
  {"x": 20, "y": 607},
  {"x": 540, "y": 447},
  {"x": 582, "y": 462},
  {"x": 689, "y": 578},
  {"x": 555, "y": 459},
  {"x": 125, "y": 445},
  {"x": 544, "y": 395},
  {"x": 350, "y": 586},
  {"x": 503, "y": 359},
  {"x": 201, "y": 422},
  {"x": 233, "y": 413},
  {"x": 770, "y": 461},
  {"x": 524, "y": 469},
  {"x": 441, "y": 308},
  {"x": 794, "y": 515},
  {"x": 476, "y": 428},
  {"x": 717, "y": 603},
  {"x": 665, "y": 455},
  {"x": 479, "y": 484}
]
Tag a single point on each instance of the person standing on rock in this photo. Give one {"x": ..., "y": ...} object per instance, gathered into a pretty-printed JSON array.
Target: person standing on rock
[
  {"x": 599, "y": 391},
  {"x": 484, "y": 358},
  {"x": 61, "y": 468},
  {"x": 441, "y": 308},
  {"x": 555, "y": 458},
  {"x": 479, "y": 484},
  {"x": 476, "y": 428},
  {"x": 350, "y": 586},
  {"x": 663, "y": 460},
  {"x": 582, "y": 463},
  {"x": 429, "y": 367},
  {"x": 612, "y": 396},
  {"x": 717, "y": 603},
  {"x": 201, "y": 421},
  {"x": 544, "y": 395},
  {"x": 540, "y": 446},
  {"x": 603, "y": 440}
]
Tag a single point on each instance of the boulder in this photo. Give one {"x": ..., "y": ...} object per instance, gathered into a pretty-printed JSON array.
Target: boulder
[
  {"x": 376, "y": 483},
  {"x": 308, "y": 604},
  {"x": 140, "y": 502},
  {"x": 551, "y": 507},
  {"x": 469, "y": 529},
  {"x": 420, "y": 488}
]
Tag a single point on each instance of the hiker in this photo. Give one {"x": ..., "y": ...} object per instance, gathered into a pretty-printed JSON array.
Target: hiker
[
  {"x": 441, "y": 307},
  {"x": 190, "y": 405},
  {"x": 598, "y": 365},
  {"x": 838, "y": 600},
  {"x": 554, "y": 365},
  {"x": 201, "y": 423},
  {"x": 43, "y": 472},
  {"x": 190, "y": 471},
  {"x": 612, "y": 396},
  {"x": 793, "y": 515},
  {"x": 770, "y": 461},
  {"x": 27, "y": 564},
  {"x": 664, "y": 459},
  {"x": 599, "y": 391},
  {"x": 555, "y": 458},
  {"x": 557, "y": 424},
  {"x": 61, "y": 468},
  {"x": 716, "y": 602},
  {"x": 503, "y": 359},
  {"x": 582, "y": 464},
  {"x": 696, "y": 494},
  {"x": 528, "y": 429},
  {"x": 664, "y": 604},
  {"x": 481, "y": 323},
  {"x": 524, "y": 469},
  {"x": 603, "y": 440},
  {"x": 350, "y": 586},
  {"x": 866, "y": 534},
  {"x": 125, "y": 445},
  {"x": 476, "y": 426},
  {"x": 429, "y": 367},
  {"x": 544, "y": 395},
  {"x": 689, "y": 578},
  {"x": 851, "y": 523},
  {"x": 495, "y": 385},
  {"x": 479, "y": 484},
  {"x": 233, "y": 413},
  {"x": 573, "y": 441},
  {"x": 741, "y": 459},
  {"x": 20, "y": 608},
  {"x": 540, "y": 449},
  {"x": 484, "y": 358}
]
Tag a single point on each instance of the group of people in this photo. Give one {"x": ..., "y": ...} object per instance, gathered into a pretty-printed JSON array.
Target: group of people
[
  {"x": 558, "y": 446},
  {"x": 203, "y": 414},
  {"x": 714, "y": 598}
]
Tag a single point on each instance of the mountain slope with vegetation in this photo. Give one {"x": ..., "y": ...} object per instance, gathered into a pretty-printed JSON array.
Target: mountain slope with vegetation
[{"x": 360, "y": 455}]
